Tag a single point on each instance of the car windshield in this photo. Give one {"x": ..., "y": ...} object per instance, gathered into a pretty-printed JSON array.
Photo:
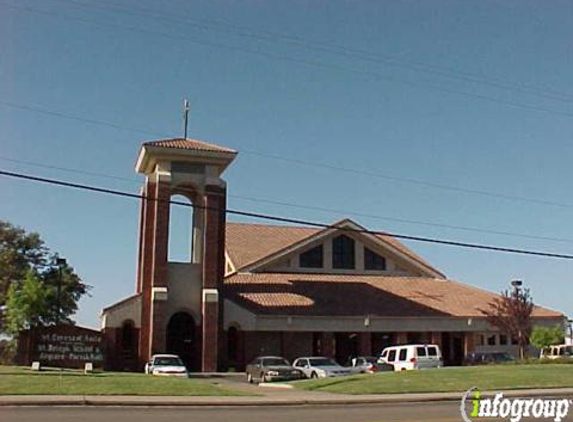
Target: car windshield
[
  {"x": 568, "y": 351},
  {"x": 275, "y": 362},
  {"x": 371, "y": 359},
  {"x": 167, "y": 361},
  {"x": 322, "y": 362}
]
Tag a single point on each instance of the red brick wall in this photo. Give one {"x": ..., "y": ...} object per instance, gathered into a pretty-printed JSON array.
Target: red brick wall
[
  {"x": 296, "y": 344},
  {"x": 210, "y": 337},
  {"x": 469, "y": 343},
  {"x": 258, "y": 343},
  {"x": 213, "y": 272},
  {"x": 141, "y": 237},
  {"x": 328, "y": 345},
  {"x": 365, "y": 344},
  {"x": 146, "y": 273}
]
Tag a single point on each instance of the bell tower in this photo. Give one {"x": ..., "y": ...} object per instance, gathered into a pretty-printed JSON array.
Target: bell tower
[{"x": 168, "y": 290}]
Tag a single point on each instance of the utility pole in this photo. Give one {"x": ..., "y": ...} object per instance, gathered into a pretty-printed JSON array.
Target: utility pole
[
  {"x": 516, "y": 284},
  {"x": 185, "y": 117},
  {"x": 60, "y": 262}
]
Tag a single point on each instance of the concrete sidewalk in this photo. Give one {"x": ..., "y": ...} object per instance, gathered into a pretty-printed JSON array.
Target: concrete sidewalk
[{"x": 270, "y": 397}]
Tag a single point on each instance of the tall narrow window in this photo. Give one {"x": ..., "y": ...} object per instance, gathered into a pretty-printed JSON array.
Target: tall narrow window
[
  {"x": 180, "y": 230},
  {"x": 343, "y": 253},
  {"x": 312, "y": 258},
  {"x": 373, "y": 261}
]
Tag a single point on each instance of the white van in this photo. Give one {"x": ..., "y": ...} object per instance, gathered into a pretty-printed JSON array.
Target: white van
[
  {"x": 412, "y": 356},
  {"x": 557, "y": 352}
]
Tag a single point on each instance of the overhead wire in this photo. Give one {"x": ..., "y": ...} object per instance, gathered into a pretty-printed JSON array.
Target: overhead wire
[
  {"x": 431, "y": 240},
  {"x": 314, "y": 163},
  {"x": 299, "y": 206},
  {"x": 314, "y": 63}
]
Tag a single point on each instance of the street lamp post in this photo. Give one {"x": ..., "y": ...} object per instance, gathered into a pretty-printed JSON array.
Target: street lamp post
[
  {"x": 60, "y": 262},
  {"x": 516, "y": 284}
]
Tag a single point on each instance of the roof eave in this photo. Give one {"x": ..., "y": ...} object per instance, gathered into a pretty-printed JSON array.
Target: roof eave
[{"x": 150, "y": 154}]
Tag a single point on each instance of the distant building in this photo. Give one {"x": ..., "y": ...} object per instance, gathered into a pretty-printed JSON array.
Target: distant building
[{"x": 251, "y": 289}]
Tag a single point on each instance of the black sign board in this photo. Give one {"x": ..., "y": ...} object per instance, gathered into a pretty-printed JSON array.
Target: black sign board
[{"x": 65, "y": 346}]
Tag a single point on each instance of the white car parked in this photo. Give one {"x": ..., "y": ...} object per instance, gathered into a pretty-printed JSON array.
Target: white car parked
[
  {"x": 412, "y": 356},
  {"x": 168, "y": 365},
  {"x": 320, "y": 367}
]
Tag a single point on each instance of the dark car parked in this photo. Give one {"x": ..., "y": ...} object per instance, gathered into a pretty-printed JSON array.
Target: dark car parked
[
  {"x": 271, "y": 368},
  {"x": 488, "y": 358}
]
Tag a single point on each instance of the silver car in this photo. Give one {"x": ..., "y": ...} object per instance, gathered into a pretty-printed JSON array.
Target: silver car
[
  {"x": 167, "y": 365},
  {"x": 320, "y": 367}
]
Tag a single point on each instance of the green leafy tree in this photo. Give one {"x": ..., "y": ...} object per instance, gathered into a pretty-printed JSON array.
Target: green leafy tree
[
  {"x": 34, "y": 290},
  {"x": 511, "y": 313},
  {"x": 71, "y": 289},
  {"x": 26, "y": 304},
  {"x": 19, "y": 253},
  {"x": 542, "y": 337}
]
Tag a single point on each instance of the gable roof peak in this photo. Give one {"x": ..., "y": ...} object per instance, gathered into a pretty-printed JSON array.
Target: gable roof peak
[{"x": 251, "y": 246}]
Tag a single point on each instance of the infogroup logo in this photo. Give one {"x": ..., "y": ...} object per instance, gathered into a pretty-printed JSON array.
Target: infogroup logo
[{"x": 513, "y": 409}]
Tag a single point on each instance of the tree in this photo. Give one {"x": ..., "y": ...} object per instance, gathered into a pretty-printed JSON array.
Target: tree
[
  {"x": 71, "y": 291},
  {"x": 19, "y": 253},
  {"x": 543, "y": 337},
  {"x": 26, "y": 304},
  {"x": 30, "y": 280},
  {"x": 511, "y": 313}
]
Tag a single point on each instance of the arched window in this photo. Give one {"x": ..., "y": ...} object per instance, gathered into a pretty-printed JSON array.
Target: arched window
[
  {"x": 128, "y": 340},
  {"x": 232, "y": 344},
  {"x": 180, "y": 338},
  {"x": 180, "y": 230},
  {"x": 313, "y": 258},
  {"x": 343, "y": 252}
]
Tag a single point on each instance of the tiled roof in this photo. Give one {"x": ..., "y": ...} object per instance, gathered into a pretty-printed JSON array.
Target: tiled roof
[
  {"x": 192, "y": 144},
  {"x": 356, "y": 295},
  {"x": 406, "y": 251},
  {"x": 249, "y": 243}
]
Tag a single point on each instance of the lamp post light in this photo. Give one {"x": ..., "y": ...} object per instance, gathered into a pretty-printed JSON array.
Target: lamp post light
[
  {"x": 516, "y": 284},
  {"x": 60, "y": 262}
]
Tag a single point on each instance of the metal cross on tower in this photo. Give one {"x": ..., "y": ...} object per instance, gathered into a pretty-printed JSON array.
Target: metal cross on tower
[{"x": 185, "y": 117}]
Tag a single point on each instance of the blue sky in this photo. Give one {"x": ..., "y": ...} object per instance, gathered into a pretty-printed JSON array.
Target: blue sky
[{"x": 476, "y": 95}]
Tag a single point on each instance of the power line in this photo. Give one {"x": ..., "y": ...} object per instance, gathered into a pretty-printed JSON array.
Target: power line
[
  {"x": 290, "y": 220},
  {"x": 300, "y": 206},
  {"x": 313, "y": 163},
  {"x": 96, "y": 122},
  {"x": 317, "y": 64},
  {"x": 384, "y": 59}
]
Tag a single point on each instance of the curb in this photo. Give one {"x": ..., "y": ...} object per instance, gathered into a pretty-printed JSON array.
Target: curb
[
  {"x": 160, "y": 401},
  {"x": 276, "y": 385}
]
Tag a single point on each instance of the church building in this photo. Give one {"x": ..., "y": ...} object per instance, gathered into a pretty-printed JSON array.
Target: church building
[{"x": 253, "y": 289}]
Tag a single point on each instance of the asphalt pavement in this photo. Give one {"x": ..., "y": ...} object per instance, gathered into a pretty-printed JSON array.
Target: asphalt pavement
[{"x": 429, "y": 412}]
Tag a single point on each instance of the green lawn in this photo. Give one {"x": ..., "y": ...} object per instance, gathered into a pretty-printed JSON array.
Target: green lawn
[
  {"x": 23, "y": 381},
  {"x": 492, "y": 377}
]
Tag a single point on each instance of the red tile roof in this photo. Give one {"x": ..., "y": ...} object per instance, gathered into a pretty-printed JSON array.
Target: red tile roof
[
  {"x": 192, "y": 144},
  {"x": 356, "y": 295},
  {"x": 248, "y": 243}
]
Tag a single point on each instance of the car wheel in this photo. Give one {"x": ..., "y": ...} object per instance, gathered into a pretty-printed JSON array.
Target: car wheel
[
  {"x": 314, "y": 375},
  {"x": 249, "y": 378}
]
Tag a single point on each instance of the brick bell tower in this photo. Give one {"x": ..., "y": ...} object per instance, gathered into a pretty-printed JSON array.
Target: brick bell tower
[{"x": 193, "y": 169}]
